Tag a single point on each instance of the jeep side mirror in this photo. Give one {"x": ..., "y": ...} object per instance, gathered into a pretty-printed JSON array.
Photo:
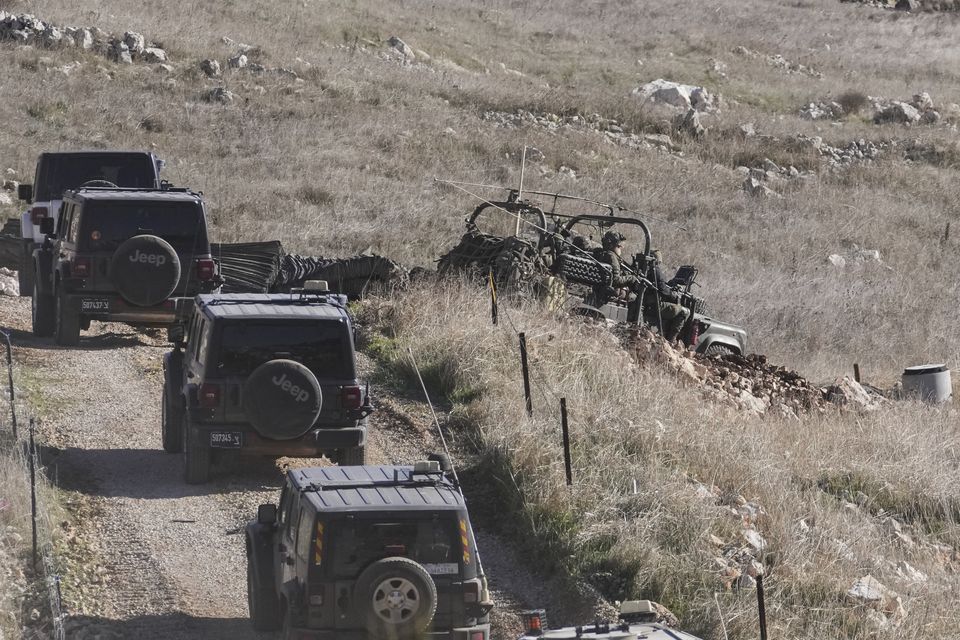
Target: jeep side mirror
[
  {"x": 25, "y": 192},
  {"x": 267, "y": 514},
  {"x": 46, "y": 226}
]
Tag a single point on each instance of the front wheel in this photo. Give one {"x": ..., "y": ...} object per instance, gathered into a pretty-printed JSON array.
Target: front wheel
[
  {"x": 41, "y": 313},
  {"x": 196, "y": 456},
  {"x": 67, "y": 330},
  {"x": 719, "y": 350},
  {"x": 171, "y": 432},
  {"x": 262, "y": 601}
]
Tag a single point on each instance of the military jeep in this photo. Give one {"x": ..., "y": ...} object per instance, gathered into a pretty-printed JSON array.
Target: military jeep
[
  {"x": 367, "y": 552},
  {"x": 137, "y": 256},
  {"x": 264, "y": 374}
]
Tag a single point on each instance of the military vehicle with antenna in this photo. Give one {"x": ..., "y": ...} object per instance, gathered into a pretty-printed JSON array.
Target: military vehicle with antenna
[{"x": 527, "y": 250}]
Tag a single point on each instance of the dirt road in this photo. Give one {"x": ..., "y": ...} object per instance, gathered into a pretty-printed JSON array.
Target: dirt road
[{"x": 170, "y": 556}]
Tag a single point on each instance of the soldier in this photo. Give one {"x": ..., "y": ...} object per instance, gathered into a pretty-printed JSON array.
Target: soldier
[
  {"x": 665, "y": 300},
  {"x": 612, "y": 244}
]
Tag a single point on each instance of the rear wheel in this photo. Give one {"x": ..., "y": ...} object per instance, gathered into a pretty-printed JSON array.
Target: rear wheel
[
  {"x": 352, "y": 456},
  {"x": 41, "y": 313},
  {"x": 262, "y": 601},
  {"x": 196, "y": 455},
  {"x": 395, "y": 598},
  {"x": 170, "y": 430},
  {"x": 26, "y": 275},
  {"x": 66, "y": 333}
]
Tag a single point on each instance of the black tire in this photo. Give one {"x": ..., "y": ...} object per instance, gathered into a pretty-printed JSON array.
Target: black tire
[
  {"x": 42, "y": 308},
  {"x": 262, "y": 601},
  {"x": 196, "y": 455},
  {"x": 352, "y": 457},
  {"x": 145, "y": 270},
  {"x": 171, "y": 431},
  {"x": 395, "y": 598},
  {"x": 719, "y": 350},
  {"x": 66, "y": 331},
  {"x": 282, "y": 399},
  {"x": 26, "y": 275}
]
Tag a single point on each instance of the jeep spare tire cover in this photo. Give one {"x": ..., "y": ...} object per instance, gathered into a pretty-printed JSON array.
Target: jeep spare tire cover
[
  {"x": 282, "y": 399},
  {"x": 145, "y": 270}
]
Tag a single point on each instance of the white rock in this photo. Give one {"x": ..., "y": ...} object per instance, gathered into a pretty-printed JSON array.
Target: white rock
[
  {"x": 154, "y": 55},
  {"x": 897, "y": 112},
  {"x": 910, "y": 573},
  {"x": 402, "y": 47},
  {"x": 674, "y": 94},
  {"x": 83, "y": 38},
  {"x": 210, "y": 67},
  {"x": 754, "y": 539},
  {"x": 837, "y": 261},
  {"x": 5, "y": 198},
  {"x": 238, "y": 61},
  {"x": 135, "y": 42}
]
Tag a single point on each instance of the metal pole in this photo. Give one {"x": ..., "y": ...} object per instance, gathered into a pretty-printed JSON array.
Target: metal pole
[
  {"x": 762, "y": 608},
  {"x": 33, "y": 493},
  {"x": 526, "y": 373},
  {"x": 493, "y": 298},
  {"x": 13, "y": 408},
  {"x": 856, "y": 371},
  {"x": 523, "y": 164},
  {"x": 566, "y": 440}
]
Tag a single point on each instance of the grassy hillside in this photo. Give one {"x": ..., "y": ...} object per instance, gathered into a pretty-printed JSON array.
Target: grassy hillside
[{"x": 343, "y": 159}]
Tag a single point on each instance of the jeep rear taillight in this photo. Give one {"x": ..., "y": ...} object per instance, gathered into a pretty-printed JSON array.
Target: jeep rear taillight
[
  {"x": 209, "y": 396},
  {"x": 318, "y": 550},
  {"x": 351, "y": 397},
  {"x": 206, "y": 269},
  {"x": 471, "y": 591},
  {"x": 81, "y": 268},
  {"x": 37, "y": 214},
  {"x": 464, "y": 541}
]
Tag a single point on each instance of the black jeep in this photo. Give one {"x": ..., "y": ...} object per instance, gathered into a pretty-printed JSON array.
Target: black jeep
[
  {"x": 137, "y": 256},
  {"x": 265, "y": 374},
  {"x": 367, "y": 552}
]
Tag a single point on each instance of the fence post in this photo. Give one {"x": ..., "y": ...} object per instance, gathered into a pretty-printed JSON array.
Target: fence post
[
  {"x": 566, "y": 441},
  {"x": 856, "y": 371},
  {"x": 13, "y": 408},
  {"x": 33, "y": 493},
  {"x": 526, "y": 373},
  {"x": 493, "y": 297},
  {"x": 761, "y": 607}
]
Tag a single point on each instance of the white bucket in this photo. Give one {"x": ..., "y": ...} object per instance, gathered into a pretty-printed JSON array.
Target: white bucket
[{"x": 928, "y": 382}]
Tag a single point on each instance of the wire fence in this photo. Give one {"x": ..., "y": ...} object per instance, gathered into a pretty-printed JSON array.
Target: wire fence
[{"x": 22, "y": 451}]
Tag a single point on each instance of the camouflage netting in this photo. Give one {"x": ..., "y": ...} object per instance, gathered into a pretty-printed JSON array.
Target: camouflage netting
[
  {"x": 515, "y": 263},
  {"x": 263, "y": 267}
]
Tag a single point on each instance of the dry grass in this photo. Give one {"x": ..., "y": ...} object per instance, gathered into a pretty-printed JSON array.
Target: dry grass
[
  {"x": 344, "y": 161},
  {"x": 843, "y": 475}
]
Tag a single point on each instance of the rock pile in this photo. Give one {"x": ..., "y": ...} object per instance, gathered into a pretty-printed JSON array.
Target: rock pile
[
  {"x": 126, "y": 49},
  {"x": 749, "y": 382},
  {"x": 778, "y": 61},
  {"x": 918, "y": 110},
  {"x": 911, "y": 5}
]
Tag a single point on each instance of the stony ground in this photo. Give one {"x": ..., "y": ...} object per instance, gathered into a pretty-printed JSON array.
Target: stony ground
[{"x": 166, "y": 559}]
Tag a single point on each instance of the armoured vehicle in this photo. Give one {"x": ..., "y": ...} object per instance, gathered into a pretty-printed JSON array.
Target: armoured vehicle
[
  {"x": 265, "y": 374},
  {"x": 367, "y": 552},
  {"x": 137, "y": 256},
  {"x": 529, "y": 250},
  {"x": 637, "y": 622},
  {"x": 58, "y": 171}
]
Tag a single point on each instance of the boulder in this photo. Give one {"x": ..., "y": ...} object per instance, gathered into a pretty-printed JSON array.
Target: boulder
[
  {"x": 219, "y": 94},
  {"x": 120, "y": 52},
  {"x": 676, "y": 95},
  {"x": 52, "y": 36},
  {"x": 871, "y": 593},
  {"x": 210, "y": 67},
  {"x": 402, "y": 47},
  {"x": 238, "y": 61},
  {"x": 757, "y": 189},
  {"x": 897, "y": 112},
  {"x": 922, "y": 101},
  {"x": 931, "y": 116},
  {"x": 847, "y": 392},
  {"x": 154, "y": 55},
  {"x": 689, "y": 123},
  {"x": 135, "y": 42}
]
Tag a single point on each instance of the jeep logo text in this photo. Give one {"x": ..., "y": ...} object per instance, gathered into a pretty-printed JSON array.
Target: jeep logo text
[
  {"x": 157, "y": 260},
  {"x": 300, "y": 395}
]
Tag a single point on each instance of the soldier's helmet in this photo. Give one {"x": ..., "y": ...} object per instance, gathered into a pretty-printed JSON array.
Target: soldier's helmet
[{"x": 612, "y": 240}]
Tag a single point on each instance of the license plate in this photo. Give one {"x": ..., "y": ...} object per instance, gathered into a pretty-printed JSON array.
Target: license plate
[
  {"x": 226, "y": 439},
  {"x": 442, "y": 569},
  {"x": 95, "y": 305}
]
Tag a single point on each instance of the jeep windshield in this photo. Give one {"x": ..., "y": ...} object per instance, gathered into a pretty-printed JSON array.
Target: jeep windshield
[
  {"x": 320, "y": 345},
  {"x": 68, "y": 171},
  {"x": 433, "y": 542},
  {"x": 106, "y": 224}
]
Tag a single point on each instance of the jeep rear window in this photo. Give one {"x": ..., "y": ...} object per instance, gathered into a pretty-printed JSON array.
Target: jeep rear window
[
  {"x": 320, "y": 345},
  {"x": 59, "y": 173},
  {"x": 357, "y": 543},
  {"x": 106, "y": 224}
]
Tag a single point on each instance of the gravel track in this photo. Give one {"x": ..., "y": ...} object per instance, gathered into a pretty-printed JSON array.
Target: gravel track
[{"x": 171, "y": 555}]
